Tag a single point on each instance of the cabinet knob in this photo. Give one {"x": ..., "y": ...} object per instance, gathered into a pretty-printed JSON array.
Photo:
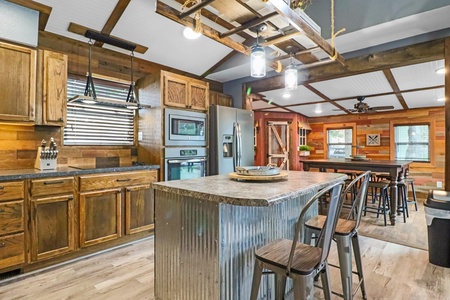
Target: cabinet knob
[
  {"x": 2, "y": 210},
  {"x": 61, "y": 119},
  {"x": 2, "y": 245}
]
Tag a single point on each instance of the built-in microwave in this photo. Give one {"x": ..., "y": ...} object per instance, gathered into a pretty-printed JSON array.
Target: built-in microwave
[{"x": 184, "y": 127}]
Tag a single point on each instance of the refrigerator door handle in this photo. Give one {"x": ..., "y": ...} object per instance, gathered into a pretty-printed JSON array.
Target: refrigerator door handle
[
  {"x": 234, "y": 146},
  {"x": 239, "y": 144}
]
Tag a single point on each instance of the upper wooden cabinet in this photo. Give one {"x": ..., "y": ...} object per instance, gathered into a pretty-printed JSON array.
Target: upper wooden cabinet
[
  {"x": 51, "y": 88},
  {"x": 17, "y": 82},
  {"x": 220, "y": 99},
  {"x": 184, "y": 92}
]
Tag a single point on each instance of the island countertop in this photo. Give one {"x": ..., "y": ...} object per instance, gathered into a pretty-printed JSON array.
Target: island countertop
[{"x": 222, "y": 189}]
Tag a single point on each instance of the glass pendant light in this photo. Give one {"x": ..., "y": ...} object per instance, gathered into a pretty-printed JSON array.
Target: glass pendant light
[
  {"x": 291, "y": 75},
  {"x": 258, "y": 55}
]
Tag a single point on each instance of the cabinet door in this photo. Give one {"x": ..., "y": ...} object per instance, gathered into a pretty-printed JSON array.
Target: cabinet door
[
  {"x": 198, "y": 96},
  {"x": 52, "y": 227},
  {"x": 224, "y": 100},
  {"x": 175, "y": 91},
  {"x": 17, "y": 82},
  {"x": 54, "y": 88},
  {"x": 100, "y": 216},
  {"x": 12, "y": 250},
  {"x": 139, "y": 209}
]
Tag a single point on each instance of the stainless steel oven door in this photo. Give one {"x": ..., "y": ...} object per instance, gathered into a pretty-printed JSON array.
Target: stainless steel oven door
[
  {"x": 185, "y": 168},
  {"x": 184, "y": 127}
]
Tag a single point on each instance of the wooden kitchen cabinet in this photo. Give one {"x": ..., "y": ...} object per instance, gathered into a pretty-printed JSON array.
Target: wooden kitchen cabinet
[
  {"x": 17, "y": 82},
  {"x": 51, "y": 88},
  {"x": 52, "y": 217},
  {"x": 12, "y": 224},
  {"x": 220, "y": 99},
  {"x": 139, "y": 209},
  {"x": 184, "y": 92}
]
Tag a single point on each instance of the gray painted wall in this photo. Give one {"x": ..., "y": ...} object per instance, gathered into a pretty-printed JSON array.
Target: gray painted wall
[{"x": 18, "y": 24}]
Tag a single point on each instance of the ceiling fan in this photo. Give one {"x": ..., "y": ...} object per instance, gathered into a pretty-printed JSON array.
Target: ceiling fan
[{"x": 363, "y": 107}]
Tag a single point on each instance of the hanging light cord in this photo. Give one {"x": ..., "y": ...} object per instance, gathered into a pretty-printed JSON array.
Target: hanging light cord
[
  {"x": 198, "y": 21},
  {"x": 132, "y": 56},
  {"x": 333, "y": 35}
]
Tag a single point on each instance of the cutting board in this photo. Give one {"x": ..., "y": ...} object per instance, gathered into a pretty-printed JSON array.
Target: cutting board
[{"x": 281, "y": 176}]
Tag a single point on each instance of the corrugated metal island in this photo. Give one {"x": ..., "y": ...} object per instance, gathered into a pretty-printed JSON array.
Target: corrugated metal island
[{"x": 206, "y": 231}]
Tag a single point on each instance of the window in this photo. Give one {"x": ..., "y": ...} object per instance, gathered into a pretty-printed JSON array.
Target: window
[
  {"x": 96, "y": 124},
  {"x": 412, "y": 142},
  {"x": 339, "y": 142}
]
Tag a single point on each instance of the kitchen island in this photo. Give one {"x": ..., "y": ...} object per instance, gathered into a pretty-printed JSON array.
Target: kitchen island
[{"x": 206, "y": 231}]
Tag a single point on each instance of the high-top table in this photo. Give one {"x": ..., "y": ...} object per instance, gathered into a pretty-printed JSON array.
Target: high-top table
[
  {"x": 397, "y": 170},
  {"x": 207, "y": 230}
]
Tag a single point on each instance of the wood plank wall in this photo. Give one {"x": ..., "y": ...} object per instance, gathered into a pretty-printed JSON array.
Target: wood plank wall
[{"x": 425, "y": 176}]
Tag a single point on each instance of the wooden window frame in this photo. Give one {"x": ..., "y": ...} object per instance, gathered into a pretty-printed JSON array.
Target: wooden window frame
[
  {"x": 422, "y": 121},
  {"x": 336, "y": 126}
]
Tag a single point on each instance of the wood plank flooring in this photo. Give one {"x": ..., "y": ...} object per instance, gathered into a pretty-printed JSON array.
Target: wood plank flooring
[{"x": 392, "y": 271}]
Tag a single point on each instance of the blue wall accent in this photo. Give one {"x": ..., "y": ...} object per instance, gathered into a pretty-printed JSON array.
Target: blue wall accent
[{"x": 18, "y": 24}]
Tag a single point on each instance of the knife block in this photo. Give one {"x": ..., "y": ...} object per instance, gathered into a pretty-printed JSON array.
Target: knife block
[{"x": 44, "y": 164}]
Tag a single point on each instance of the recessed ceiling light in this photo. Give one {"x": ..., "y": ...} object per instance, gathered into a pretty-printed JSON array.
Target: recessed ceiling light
[
  {"x": 286, "y": 95},
  {"x": 440, "y": 70},
  {"x": 441, "y": 99},
  {"x": 191, "y": 34},
  {"x": 318, "y": 111}
]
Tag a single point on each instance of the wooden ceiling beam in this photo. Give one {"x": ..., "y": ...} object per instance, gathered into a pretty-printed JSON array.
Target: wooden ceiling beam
[
  {"x": 296, "y": 54},
  {"x": 44, "y": 10},
  {"x": 280, "y": 38},
  {"x": 249, "y": 24},
  {"x": 194, "y": 8},
  {"x": 318, "y": 93},
  {"x": 408, "y": 55},
  {"x": 81, "y": 30},
  {"x": 390, "y": 78},
  {"x": 295, "y": 20},
  {"x": 113, "y": 19}
]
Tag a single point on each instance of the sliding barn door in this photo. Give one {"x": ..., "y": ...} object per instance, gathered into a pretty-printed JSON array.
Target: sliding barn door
[{"x": 278, "y": 152}]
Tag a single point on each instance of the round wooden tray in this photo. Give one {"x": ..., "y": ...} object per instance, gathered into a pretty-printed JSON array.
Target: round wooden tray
[{"x": 281, "y": 176}]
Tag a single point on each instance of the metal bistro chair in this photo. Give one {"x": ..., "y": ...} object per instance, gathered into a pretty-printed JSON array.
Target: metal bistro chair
[
  {"x": 346, "y": 236},
  {"x": 298, "y": 261}
]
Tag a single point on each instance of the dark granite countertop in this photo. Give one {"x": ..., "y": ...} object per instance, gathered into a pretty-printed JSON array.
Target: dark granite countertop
[{"x": 18, "y": 174}]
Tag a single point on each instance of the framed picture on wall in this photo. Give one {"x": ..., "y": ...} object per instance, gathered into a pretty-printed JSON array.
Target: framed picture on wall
[{"x": 373, "y": 139}]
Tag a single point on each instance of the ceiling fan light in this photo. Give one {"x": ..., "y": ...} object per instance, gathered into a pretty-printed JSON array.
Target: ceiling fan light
[
  {"x": 258, "y": 62},
  {"x": 440, "y": 70},
  {"x": 191, "y": 34},
  {"x": 286, "y": 95},
  {"x": 290, "y": 78}
]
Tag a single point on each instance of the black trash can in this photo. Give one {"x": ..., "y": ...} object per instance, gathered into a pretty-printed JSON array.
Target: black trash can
[{"x": 437, "y": 213}]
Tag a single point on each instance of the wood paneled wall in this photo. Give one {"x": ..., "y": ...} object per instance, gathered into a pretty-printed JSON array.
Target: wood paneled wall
[
  {"x": 261, "y": 118},
  {"x": 426, "y": 175},
  {"x": 18, "y": 148}
]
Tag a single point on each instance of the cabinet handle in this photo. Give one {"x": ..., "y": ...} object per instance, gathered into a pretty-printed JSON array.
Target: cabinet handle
[
  {"x": 2, "y": 210},
  {"x": 70, "y": 197},
  {"x": 61, "y": 119},
  {"x": 123, "y": 180},
  {"x": 2, "y": 245},
  {"x": 1, "y": 187},
  {"x": 53, "y": 182}
]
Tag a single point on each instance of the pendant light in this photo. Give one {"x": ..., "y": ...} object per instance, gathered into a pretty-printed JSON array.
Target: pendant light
[
  {"x": 258, "y": 55},
  {"x": 291, "y": 73},
  {"x": 89, "y": 92},
  {"x": 132, "y": 101}
]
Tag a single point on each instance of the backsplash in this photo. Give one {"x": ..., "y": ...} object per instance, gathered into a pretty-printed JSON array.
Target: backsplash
[{"x": 18, "y": 149}]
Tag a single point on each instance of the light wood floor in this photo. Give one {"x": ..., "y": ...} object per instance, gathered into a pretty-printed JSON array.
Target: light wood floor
[{"x": 392, "y": 271}]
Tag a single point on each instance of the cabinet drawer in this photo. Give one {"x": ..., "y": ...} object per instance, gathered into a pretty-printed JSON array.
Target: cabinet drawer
[
  {"x": 116, "y": 180},
  {"x": 11, "y": 217},
  {"x": 51, "y": 186},
  {"x": 11, "y": 190},
  {"x": 12, "y": 250}
]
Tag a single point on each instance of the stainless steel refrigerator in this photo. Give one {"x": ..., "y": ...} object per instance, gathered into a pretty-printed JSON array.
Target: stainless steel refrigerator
[{"x": 230, "y": 139}]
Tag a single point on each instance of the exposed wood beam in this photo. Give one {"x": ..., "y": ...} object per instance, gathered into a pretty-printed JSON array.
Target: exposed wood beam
[
  {"x": 296, "y": 54},
  {"x": 398, "y": 57},
  {"x": 195, "y": 8},
  {"x": 447, "y": 113},
  {"x": 309, "y": 87},
  {"x": 44, "y": 10},
  {"x": 81, "y": 30},
  {"x": 295, "y": 20},
  {"x": 249, "y": 24},
  {"x": 113, "y": 19},
  {"x": 394, "y": 85},
  {"x": 218, "y": 64},
  {"x": 249, "y": 8},
  {"x": 171, "y": 13},
  {"x": 280, "y": 38}
]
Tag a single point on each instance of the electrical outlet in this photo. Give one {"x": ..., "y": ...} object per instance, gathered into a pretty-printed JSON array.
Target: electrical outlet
[
  {"x": 439, "y": 184},
  {"x": 140, "y": 136}
]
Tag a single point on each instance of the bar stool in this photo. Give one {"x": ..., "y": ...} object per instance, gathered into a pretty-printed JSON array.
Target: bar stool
[
  {"x": 380, "y": 190},
  {"x": 296, "y": 260},
  {"x": 346, "y": 237},
  {"x": 410, "y": 181},
  {"x": 402, "y": 205}
]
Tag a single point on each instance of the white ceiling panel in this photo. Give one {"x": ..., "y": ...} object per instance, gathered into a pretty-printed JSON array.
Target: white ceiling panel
[
  {"x": 373, "y": 102},
  {"x": 299, "y": 96},
  {"x": 424, "y": 98},
  {"x": 352, "y": 86},
  {"x": 261, "y": 105},
  {"x": 419, "y": 75},
  {"x": 277, "y": 110},
  {"x": 312, "y": 110}
]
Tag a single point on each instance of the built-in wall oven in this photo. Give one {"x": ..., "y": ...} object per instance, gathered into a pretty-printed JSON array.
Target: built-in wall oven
[
  {"x": 185, "y": 163},
  {"x": 184, "y": 128}
]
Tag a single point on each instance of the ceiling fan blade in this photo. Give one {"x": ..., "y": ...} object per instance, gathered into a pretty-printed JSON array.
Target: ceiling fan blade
[{"x": 381, "y": 107}]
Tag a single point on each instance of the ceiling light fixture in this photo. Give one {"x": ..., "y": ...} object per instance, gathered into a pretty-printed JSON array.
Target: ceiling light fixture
[
  {"x": 132, "y": 100},
  {"x": 291, "y": 73},
  {"x": 258, "y": 55},
  {"x": 191, "y": 34},
  {"x": 89, "y": 92},
  {"x": 440, "y": 70},
  {"x": 286, "y": 95}
]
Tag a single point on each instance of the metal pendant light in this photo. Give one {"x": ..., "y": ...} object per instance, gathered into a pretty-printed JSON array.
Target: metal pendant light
[
  {"x": 258, "y": 55},
  {"x": 291, "y": 75},
  {"x": 132, "y": 101},
  {"x": 89, "y": 92}
]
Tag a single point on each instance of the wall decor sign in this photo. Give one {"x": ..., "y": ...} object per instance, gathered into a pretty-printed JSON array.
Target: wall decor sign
[{"x": 373, "y": 139}]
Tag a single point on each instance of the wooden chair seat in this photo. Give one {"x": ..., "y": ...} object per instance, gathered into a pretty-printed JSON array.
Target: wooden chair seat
[
  {"x": 379, "y": 184},
  {"x": 305, "y": 261},
  {"x": 343, "y": 227}
]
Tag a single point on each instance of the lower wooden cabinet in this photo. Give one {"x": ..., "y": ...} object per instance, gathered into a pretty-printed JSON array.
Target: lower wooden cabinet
[
  {"x": 139, "y": 209},
  {"x": 52, "y": 227},
  {"x": 12, "y": 250},
  {"x": 100, "y": 216}
]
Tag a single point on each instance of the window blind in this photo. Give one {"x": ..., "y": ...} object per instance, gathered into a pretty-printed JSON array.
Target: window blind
[
  {"x": 412, "y": 142},
  {"x": 96, "y": 124}
]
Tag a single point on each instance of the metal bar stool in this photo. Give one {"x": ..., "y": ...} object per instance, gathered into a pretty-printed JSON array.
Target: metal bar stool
[
  {"x": 410, "y": 181},
  {"x": 380, "y": 190},
  {"x": 346, "y": 237}
]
